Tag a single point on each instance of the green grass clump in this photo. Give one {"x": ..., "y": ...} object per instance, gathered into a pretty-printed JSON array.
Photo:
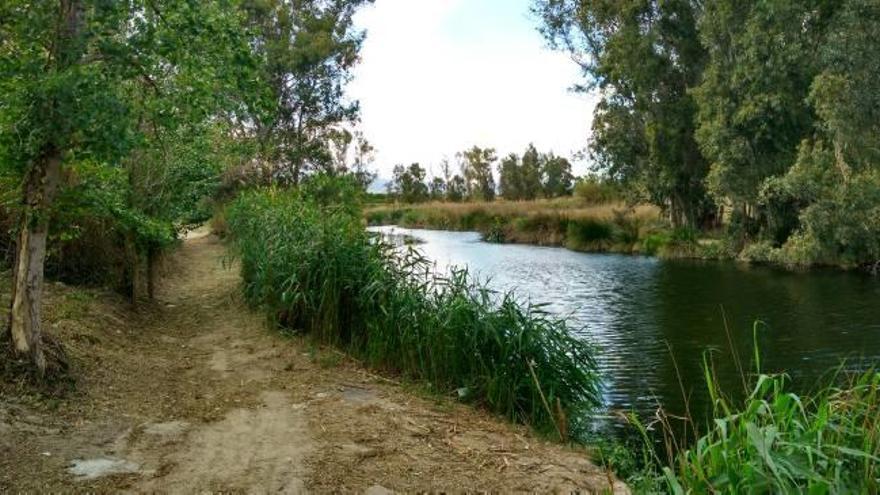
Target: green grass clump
[
  {"x": 311, "y": 266},
  {"x": 588, "y": 234},
  {"x": 779, "y": 442},
  {"x": 776, "y": 441}
]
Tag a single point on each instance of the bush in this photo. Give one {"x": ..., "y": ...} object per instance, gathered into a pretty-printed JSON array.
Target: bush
[
  {"x": 627, "y": 228},
  {"x": 312, "y": 267},
  {"x": 495, "y": 233},
  {"x": 592, "y": 190},
  {"x": 654, "y": 243},
  {"x": 588, "y": 234}
]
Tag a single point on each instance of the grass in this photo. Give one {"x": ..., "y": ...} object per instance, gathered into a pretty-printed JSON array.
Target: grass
[
  {"x": 310, "y": 265},
  {"x": 780, "y": 442},
  {"x": 771, "y": 441}
]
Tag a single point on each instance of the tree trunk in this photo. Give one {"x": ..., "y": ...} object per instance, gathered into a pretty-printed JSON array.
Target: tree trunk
[
  {"x": 27, "y": 285},
  {"x": 135, "y": 269},
  {"x": 152, "y": 268}
]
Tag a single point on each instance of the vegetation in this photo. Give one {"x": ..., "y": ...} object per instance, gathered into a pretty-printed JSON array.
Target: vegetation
[
  {"x": 779, "y": 442},
  {"x": 568, "y": 222},
  {"x": 772, "y": 441},
  {"x": 120, "y": 123},
  {"x": 124, "y": 122},
  {"x": 409, "y": 184},
  {"x": 308, "y": 263},
  {"x": 762, "y": 115},
  {"x": 536, "y": 175}
]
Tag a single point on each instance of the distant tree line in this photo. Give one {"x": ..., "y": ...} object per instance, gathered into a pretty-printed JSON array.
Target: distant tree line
[
  {"x": 534, "y": 175},
  {"x": 766, "y": 113}
]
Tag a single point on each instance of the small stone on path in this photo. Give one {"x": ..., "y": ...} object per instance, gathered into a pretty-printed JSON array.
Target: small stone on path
[{"x": 89, "y": 469}]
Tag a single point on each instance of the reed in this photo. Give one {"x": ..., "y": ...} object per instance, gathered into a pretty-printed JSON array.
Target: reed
[
  {"x": 774, "y": 440},
  {"x": 311, "y": 266}
]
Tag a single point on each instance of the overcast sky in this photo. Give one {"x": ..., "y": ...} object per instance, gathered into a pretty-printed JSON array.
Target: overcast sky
[{"x": 438, "y": 76}]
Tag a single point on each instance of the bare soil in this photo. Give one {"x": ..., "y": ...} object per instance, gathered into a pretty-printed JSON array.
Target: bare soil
[{"x": 192, "y": 393}]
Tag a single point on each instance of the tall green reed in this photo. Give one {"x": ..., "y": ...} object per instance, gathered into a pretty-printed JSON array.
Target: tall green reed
[
  {"x": 776, "y": 441},
  {"x": 781, "y": 442},
  {"x": 310, "y": 265}
]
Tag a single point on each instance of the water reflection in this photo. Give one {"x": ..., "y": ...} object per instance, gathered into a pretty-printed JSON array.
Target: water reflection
[{"x": 643, "y": 311}]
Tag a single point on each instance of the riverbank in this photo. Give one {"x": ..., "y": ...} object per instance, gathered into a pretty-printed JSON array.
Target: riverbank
[
  {"x": 564, "y": 222},
  {"x": 193, "y": 393},
  {"x": 612, "y": 227}
]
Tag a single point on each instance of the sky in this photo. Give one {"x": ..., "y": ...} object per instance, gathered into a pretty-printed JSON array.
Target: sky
[{"x": 440, "y": 76}]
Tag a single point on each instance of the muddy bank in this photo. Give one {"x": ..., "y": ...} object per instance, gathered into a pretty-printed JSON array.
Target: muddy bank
[{"x": 193, "y": 393}]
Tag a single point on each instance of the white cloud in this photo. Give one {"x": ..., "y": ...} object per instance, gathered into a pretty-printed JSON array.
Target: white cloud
[{"x": 428, "y": 90}]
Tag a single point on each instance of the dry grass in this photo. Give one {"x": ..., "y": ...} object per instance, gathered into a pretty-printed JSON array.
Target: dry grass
[
  {"x": 570, "y": 207},
  {"x": 570, "y": 222}
]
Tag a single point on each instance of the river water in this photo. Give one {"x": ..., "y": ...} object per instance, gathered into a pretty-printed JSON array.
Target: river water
[{"x": 648, "y": 316}]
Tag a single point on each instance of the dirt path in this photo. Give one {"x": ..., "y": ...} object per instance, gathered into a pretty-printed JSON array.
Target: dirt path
[{"x": 193, "y": 394}]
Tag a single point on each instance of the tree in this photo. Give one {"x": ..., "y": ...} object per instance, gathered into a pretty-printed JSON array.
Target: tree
[
  {"x": 753, "y": 108},
  {"x": 644, "y": 56},
  {"x": 408, "y": 183},
  {"x": 558, "y": 180},
  {"x": 531, "y": 174},
  {"x": 456, "y": 189},
  {"x": 476, "y": 167},
  {"x": 445, "y": 171},
  {"x": 309, "y": 48},
  {"x": 510, "y": 178},
  {"x": 438, "y": 189},
  {"x": 352, "y": 155},
  {"x": 73, "y": 84},
  {"x": 833, "y": 189}
]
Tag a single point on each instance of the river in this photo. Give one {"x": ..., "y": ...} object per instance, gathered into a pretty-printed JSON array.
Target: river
[{"x": 649, "y": 316}]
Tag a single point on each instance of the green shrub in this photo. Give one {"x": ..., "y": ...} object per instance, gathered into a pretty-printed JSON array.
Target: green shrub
[
  {"x": 385, "y": 216},
  {"x": 476, "y": 219},
  {"x": 541, "y": 222},
  {"x": 312, "y": 267},
  {"x": 411, "y": 218},
  {"x": 654, "y": 243},
  {"x": 496, "y": 232},
  {"x": 588, "y": 233},
  {"x": 593, "y": 190},
  {"x": 760, "y": 252},
  {"x": 626, "y": 229}
]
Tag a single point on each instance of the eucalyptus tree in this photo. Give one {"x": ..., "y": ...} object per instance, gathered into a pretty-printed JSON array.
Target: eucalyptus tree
[
  {"x": 437, "y": 188},
  {"x": 558, "y": 179},
  {"x": 476, "y": 169},
  {"x": 531, "y": 173},
  {"x": 72, "y": 78},
  {"x": 456, "y": 189},
  {"x": 510, "y": 177},
  {"x": 352, "y": 154},
  {"x": 753, "y": 106},
  {"x": 308, "y": 49},
  {"x": 834, "y": 184},
  {"x": 408, "y": 183},
  {"x": 644, "y": 57}
]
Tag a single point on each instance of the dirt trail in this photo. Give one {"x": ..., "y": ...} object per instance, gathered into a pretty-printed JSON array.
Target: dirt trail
[{"x": 193, "y": 394}]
